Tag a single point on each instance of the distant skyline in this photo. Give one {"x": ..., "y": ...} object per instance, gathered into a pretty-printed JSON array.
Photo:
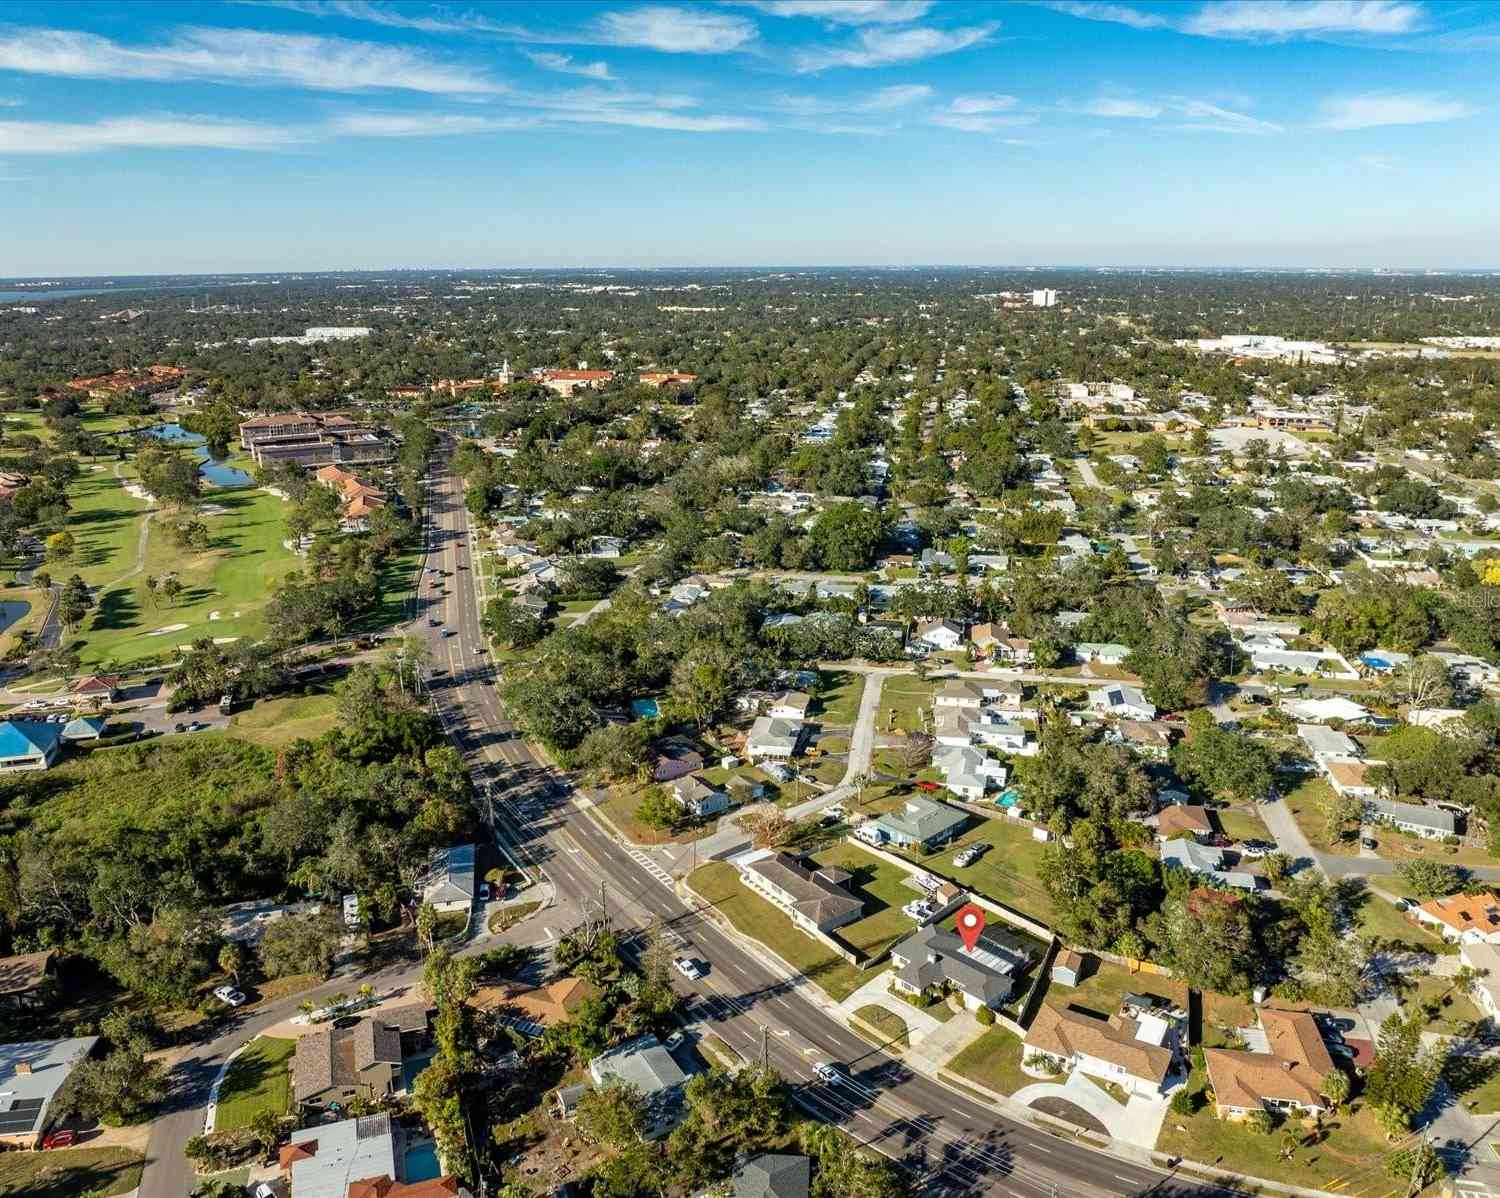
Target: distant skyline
[{"x": 318, "y": 135}]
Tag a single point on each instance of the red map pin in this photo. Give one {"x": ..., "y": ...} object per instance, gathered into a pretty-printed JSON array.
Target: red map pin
[{"x": 970, "y": 924}]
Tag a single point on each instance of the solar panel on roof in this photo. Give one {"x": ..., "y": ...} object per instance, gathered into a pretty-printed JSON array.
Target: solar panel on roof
[{"x": 22, "y": 1115}]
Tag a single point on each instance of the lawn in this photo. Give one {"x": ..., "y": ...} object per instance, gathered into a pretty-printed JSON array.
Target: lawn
[
  {"x": 70, "y": 1172},
  {"x": 994, "y": 1061},
  {"x": 259, "y": 1079},
  {"x": 1102, "y": 990},
  {"x": 621, "y": 806},
  {"x": 838, "y": 702},
  {"x": 903, "y": 698},
  {"x": 1306, "y": 805},
  {"x": 719, "y": 885},
  {"x": 884, "y": 891},
  {"x": 277, "y": 722},
  {"x": 1377, "y": 916},
  {"x": 890, "y": 1028},
  {"x": 105, "y": 523},
  {"x": 1456, "y": 1010},
  {"x": 225, "y": 587},
  {"x": 1350, "y": 1159},
  {"x": 1242, "y": 823},
  {"x": 1007, "y": 873}
]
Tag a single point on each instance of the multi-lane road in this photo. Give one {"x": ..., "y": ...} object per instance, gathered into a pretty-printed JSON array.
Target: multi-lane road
[{"x": 951, "y": 1144}]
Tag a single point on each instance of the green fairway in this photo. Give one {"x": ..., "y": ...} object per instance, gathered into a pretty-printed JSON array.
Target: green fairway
[
  {"x": 105, "y": 523},
  {"x": 225, "y": 587}
]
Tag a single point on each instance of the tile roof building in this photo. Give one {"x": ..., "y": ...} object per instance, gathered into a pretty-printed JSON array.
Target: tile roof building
[
  {"x": 1465, "y": 918},
  {"x": 1288, "y": 1076}
]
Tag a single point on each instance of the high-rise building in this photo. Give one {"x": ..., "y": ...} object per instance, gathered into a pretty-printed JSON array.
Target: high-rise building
[{"x": 1045, "y": 298}]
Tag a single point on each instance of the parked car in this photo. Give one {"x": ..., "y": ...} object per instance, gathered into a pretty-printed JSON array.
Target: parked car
[
  {"x": 484, "y": 892},
  {"x": 675, "y": 1040},
  {"x": 969, "y": 854},
  {"x": 689, "y": 968},
  {"x": 60, "y": 1139},
  {"x": 1367, "y": 842},
  {"x": 1404, "y": 904},
  {"x": 229, "y": 996}
]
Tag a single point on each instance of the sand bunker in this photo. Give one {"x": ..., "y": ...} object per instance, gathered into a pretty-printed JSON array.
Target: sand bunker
[{"x": 167, "y": 629}]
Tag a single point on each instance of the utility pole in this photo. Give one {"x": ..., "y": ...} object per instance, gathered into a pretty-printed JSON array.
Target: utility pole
[
  {"x": 765, "y": 1049},
  {"x": 604, "y": 904}
]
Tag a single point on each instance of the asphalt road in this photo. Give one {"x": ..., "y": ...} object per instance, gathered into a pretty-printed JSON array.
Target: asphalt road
[{"x": 952, "y": 1145}]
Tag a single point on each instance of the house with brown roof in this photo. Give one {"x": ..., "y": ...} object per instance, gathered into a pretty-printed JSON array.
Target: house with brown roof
[
  {"x": 1463, "y": 918},
  {"x": 815, "y": 900},
  {"x": 1287, "y": 1074},
  {"x": 565, "y": 382},
  {"x": 538, "y": 1006},
  {"x": 1183, "y": 819},
  {"x": 339, "y": 1064},
  {"x": 26, "y": 980},
  {"x": 97, "y": 688},
  {"x": 1137, "y": 1054}
]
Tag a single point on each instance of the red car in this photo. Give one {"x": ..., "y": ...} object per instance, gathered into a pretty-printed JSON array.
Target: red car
[
  {"x": 928, "y": 786},
  {"x": 60, "y": 1139}
]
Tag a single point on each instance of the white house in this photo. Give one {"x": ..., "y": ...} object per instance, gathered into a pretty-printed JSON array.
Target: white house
[
  {"x": 943, "y": 635},
  {"x": 773, "y": 738},
  {"x": 1105, "y": 653},
  {"x": 1117, "y": 699}
]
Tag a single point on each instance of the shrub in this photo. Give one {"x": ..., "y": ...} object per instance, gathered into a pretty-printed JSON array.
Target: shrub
[
  {"x": 985, "y": 1016},
  {"x": 1184, "y": 1102}
]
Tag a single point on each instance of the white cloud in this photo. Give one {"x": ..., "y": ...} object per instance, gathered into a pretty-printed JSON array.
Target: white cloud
[
  {"x": 424, "y": 124},
  {"x": 377, "y": 14},
  {"x": 1294, "y": 18},
  {"x": 1118, "y": 14},
  {"x": 1377, "y": 109},
  {"x": 1210, "y": 118},
  {"x": 676, "y": 30},
  {"x": 990, "y": 103},
  {"x": 848, "y": 12},
  {"x": 239, "y": 56},
  {"x": 901, "y": 95},
  {"x": 157, "y": 132},
  {"x": 875, "y": 47},
  {"x": 563, "y": 64},
  {"x": 640, "y": 118},
  {"x": 11, "y": 101},
  {"x": 1118, "y": 107},
  {"x": 1263, "y": 19}
]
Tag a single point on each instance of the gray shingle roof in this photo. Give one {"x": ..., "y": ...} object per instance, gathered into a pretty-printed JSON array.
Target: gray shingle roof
[
  {"x": 773, "y": 1175},
  {"x": 932, "y": 956}
]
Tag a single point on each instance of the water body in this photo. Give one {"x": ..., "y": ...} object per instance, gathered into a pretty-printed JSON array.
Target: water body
[
  {"x": 12, "y": 610},
  {"x": 215, "y": 471},
  {"x": 43, "y": 294}
]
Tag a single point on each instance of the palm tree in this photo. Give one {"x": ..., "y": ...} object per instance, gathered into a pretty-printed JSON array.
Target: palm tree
[
  {"x": 1336, "y": 1087},
  {"x": 151, "y": 588}
]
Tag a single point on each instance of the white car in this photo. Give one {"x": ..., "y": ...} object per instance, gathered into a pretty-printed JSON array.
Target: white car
[
  {"x": 830, "y": 1073},
  {"x": 229, "y": 996},
  {"x": 689, "y": 968},
  {"x": 674, "y": 1040}
]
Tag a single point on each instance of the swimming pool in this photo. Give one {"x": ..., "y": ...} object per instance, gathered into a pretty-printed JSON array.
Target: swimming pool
[
  {"x": 645, "y": 709},
  {"x": 421, "y": 1162},
  {"x": 1009, "y": 798}
]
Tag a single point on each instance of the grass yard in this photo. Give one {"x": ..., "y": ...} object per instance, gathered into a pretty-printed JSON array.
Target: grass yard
[
  {"x": 1395, "y": 845},
  {"x": 838, "y": 702},
  {"x": 277, "y": 722},
  {"x": 225, "y": 587},
  {"x": 902, "y": 700},
  {"x": 1305, "y": 803},
  {"x": 719, "y": 885},
  {"x": 890, "y": 1028},
  {"x": 70, "y": 1173},
  {"x": 1350, "y": 1158},
  {"x": 1456, "y": 1010},
  {"x": 31, "y": 621},
  {"x": 883, "y": 889},
  {"x": 621, "y": 806},
  {"x": 993, "y": 1061},
  {"x": 1242, "y": 823},
  {"x": 1377, "y": 916},
  {"x": 1102, "y": 990},
  {"x": 1007, "y": 873},
  {"x": 259, "y": 1079}
]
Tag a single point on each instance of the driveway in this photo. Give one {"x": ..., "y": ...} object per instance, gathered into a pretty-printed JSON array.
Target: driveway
[{"x": 1136, "y": 1122}]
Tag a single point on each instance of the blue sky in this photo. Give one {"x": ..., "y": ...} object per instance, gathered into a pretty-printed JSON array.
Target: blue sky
[{"x": 328, "y": 134}]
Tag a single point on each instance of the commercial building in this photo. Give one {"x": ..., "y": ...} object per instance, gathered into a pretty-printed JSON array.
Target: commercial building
[
  {"x": 1044, "y": 297},
  {"x": 29, "y": 744}
]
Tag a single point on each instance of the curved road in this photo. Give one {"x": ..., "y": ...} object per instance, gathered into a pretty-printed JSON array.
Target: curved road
[{"x": 951, "y": 1143}]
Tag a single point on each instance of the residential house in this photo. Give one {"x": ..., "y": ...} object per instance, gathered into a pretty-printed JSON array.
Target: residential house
[
  {"x": 533, "y": 1009},
  {"x": 357, "y": 1158},
  {"x": 1004, "y": 736},
  {"x": 815, "y": 899},
  {"x": 1183, "y": 819},
  {"x": 340, "y": 1064},
  {"x": 941, "y": 635},
  {"x": 1150, "y": 738},
  {"x": 968, "y": 772},
  {"x": 1104, "y": 653},
  {"x": 932, "y": 961},
  {"x": 698, "y": 798},
  {"x": 449, "y": 885},
  {"x": 772, "y": 1175},
  {"x": 27, "y": 980},
  {"x": 29, "y": 744},
  {"x": 1013, "y": 651},
  {"x": 774, "y": 739},
  {"x": 960, "y": 694},
  {"x": 676, "y": 758},
  {"x": 1430, "y": 823},
  {"x": 652, "y": 1071},
  {"x": 1117, "y": 699},
  {"x": 1287, "y": 1075},
  {"x": 1326, "y": 744},
  {"x": 1463, "y": 918},
  {"x": 1133, "y": 1053},
  {"x": 1321, "y": 711},
  {"x": 920, "y": 823},
  {"x": 1205, "y": 861},
  {"x": 1350, "y": 778},
  {"x": 1484, "y": 958},
  {"x": 984, "y": 637},
  {"x": 789, "y": 705},
  {"x": 31, "y": 1075}
]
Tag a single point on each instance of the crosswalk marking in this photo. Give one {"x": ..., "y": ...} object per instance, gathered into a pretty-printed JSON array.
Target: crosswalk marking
[{"x": 651, "y": 867}]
